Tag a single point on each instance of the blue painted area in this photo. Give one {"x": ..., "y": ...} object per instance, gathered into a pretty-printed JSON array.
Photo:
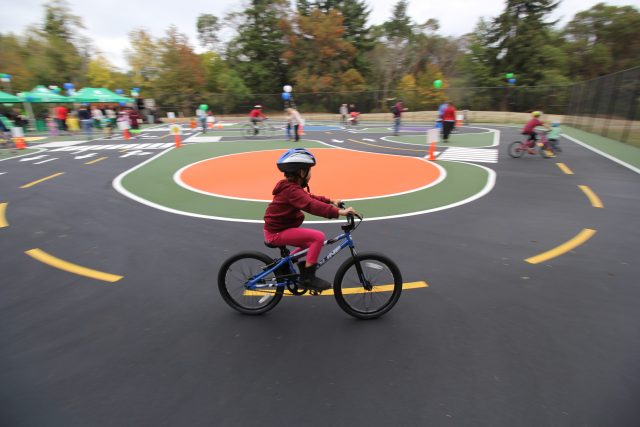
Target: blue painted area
[{"x": 312, "y": 128}]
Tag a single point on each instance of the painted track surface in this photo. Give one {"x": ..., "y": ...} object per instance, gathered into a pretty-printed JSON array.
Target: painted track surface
[{"x": 494, "y": 340}]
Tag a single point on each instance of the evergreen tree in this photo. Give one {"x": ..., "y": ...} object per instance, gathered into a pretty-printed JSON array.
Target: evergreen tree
[
  {"x": 517, "y": 37},
  {"x": 256, "y": 52}
]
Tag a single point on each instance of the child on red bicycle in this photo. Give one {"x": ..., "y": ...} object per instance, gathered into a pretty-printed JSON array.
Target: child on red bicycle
[
  {"x": 530, "y": 129},
  {"x": 283, "y": 216}
]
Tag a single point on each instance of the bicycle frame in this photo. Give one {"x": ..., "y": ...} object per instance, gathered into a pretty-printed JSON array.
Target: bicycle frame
[{"x": 289, "y": 260}]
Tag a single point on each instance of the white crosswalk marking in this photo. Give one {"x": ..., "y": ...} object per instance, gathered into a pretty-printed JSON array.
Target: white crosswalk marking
[
  {"x": 479, "y": 155},
  {"x": 147, "y": 146}
]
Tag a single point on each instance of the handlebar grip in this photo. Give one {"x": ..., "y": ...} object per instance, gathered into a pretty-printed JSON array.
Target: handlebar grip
[{"x": 341, "y": 205}]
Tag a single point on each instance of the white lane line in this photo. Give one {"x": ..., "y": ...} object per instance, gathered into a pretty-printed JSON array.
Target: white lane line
[
  {"x": 603, "y": 154},
  {"x": 45, "y": 161}
]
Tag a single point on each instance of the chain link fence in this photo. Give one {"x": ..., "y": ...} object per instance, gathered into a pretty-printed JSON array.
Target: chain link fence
[{"x": 608, "y": 106}]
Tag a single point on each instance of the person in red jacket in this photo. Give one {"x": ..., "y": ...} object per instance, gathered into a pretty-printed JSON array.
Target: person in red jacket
[
  {"x": 256, "y": 116},
  {"x": 448, "y": 120},
  {"x": 283, "y": 216}
]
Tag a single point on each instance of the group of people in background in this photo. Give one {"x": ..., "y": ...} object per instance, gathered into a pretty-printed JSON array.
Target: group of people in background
[{"x": 89, "y": 117}]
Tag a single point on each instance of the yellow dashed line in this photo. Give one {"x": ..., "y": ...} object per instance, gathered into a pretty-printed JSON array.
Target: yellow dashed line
[
  {"x": 346, "y": 291},
  {"x": 388, "y": 148},
  {"x": 44, "y": 257},
  {"x": 96, "y": 160},
  {"x": 3, "y": 218},
  {"x": 593, "y": 198},
  {"x": 31, "y": 184},
  {"x": 564, "y": 168},
  {"x": 579, "y": 239}
]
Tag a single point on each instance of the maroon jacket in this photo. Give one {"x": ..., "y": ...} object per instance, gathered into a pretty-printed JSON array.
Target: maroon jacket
[{"x": 289, "y": 199}]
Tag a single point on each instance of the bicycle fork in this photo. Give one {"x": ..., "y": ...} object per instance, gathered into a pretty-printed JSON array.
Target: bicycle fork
[{"x": 363, "y": 280}]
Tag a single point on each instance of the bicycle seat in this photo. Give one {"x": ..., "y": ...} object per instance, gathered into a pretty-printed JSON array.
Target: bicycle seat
[{"x": 269, "y": 245}]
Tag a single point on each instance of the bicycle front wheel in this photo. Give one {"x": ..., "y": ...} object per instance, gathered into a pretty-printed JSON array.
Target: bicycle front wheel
[
  {"x": 516, "y": 149},
  {"x": 233, "y": 277},
  {"x": 373, "y": 294}
]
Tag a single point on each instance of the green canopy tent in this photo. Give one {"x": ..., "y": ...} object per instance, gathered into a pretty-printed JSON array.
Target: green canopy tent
[
  {"x": 40, "y": 95},
  {"x": 7, "y": 98},
  {"x": 94, "y": 94}
]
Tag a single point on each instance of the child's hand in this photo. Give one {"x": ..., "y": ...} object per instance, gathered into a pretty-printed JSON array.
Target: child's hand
[{"x": 347, "y": 211}]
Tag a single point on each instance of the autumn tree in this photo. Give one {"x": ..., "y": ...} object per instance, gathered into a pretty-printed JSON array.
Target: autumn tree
[
  {"x": 143, "y": 59},
  {"x": 355, "y": 14},
  {"x": 317, "y": 52},
  {"x": 182, "y": 75}
]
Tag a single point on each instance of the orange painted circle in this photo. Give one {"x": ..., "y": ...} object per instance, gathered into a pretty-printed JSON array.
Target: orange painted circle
[{"x": 339, "y": 174}]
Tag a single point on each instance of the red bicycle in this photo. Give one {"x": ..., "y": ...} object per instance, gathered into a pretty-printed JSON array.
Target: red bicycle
[{"x": 542, "y": 147}]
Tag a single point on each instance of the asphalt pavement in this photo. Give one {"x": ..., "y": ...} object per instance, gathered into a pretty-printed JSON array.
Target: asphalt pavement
[{"x": 492, "y": 341}]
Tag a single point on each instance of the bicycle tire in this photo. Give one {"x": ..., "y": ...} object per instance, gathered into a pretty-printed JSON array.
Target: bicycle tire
[
  {"x": 348, "y": 290},
  {"x": 516, "y": 149},
  {"x": 246, "y": 265},
  {"x": 248, "y": 130}
]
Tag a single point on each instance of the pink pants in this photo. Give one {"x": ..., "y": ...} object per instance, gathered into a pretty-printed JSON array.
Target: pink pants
[{"x": 300, "y": 237}]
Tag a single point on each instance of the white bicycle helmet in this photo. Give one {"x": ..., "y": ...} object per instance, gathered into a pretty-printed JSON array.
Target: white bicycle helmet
[{"x": 295, "y": 159}]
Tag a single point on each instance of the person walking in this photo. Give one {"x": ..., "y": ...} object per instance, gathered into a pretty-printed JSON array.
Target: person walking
[
  {"x": 296, "y": 120},
  {"x": 397, "y": 109},
  {"x": 448, "y": 120},
  {"x": 344, "y": 112}
]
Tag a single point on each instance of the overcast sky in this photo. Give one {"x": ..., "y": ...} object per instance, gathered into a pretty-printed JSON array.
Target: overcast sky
[{"x": 107, "y": 23}]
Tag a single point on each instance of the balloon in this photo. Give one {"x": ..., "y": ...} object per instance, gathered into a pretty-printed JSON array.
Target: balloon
[
  {"x": 119, "y": 91},
  {"x": 137, "y": 89},
  {"x": 286, "y": 96},
  {"x": 509, "y": 75},
  {"x": 287, "y": 88},
  {"x": 122, "y": 103},
  {"x": 67, "y": 86},
  {"x": 512, "y": 81},
  {"x": 204, "y": 107},
  {"x": 437, "y": 84}
]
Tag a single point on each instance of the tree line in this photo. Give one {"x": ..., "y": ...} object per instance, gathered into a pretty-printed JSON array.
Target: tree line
[{"x": 327, "y": 48}]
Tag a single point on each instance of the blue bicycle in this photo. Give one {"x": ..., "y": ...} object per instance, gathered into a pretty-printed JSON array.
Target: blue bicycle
[{"x": 366, "y": 285}]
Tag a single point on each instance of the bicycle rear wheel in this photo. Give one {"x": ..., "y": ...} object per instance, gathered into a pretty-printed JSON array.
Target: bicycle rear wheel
[
  {"x": 517, "y": 149},
  {"x": 379, "y": 293},
  {"x": 232, "y": 279}
]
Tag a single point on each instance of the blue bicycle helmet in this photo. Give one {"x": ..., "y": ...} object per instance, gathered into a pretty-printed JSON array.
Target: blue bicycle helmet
[{"x": 296, "y": 159}]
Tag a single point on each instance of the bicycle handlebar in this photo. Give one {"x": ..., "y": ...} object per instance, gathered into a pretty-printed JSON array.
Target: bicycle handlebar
[{"x": 351, "y": 218}]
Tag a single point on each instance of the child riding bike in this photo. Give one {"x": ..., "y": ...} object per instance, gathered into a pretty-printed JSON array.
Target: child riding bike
[
  {"x": 256, "y": 117},
  {"x": 283, "y": 216},
  {"x": 530, "y": 129}
]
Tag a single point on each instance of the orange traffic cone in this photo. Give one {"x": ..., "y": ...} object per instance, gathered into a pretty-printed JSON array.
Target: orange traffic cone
[
  {"x": 301, "y": 129},
  {"x": 126, "y": 134},
  {"x": 20, "y": 144},
  {"x": 219, "y": 125},
  {"x": 432, "y": 151},
  {"x": 177, "y": 140},
  {"x": 192, "y": 124},
  {"x": 210, "y": 125}
]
